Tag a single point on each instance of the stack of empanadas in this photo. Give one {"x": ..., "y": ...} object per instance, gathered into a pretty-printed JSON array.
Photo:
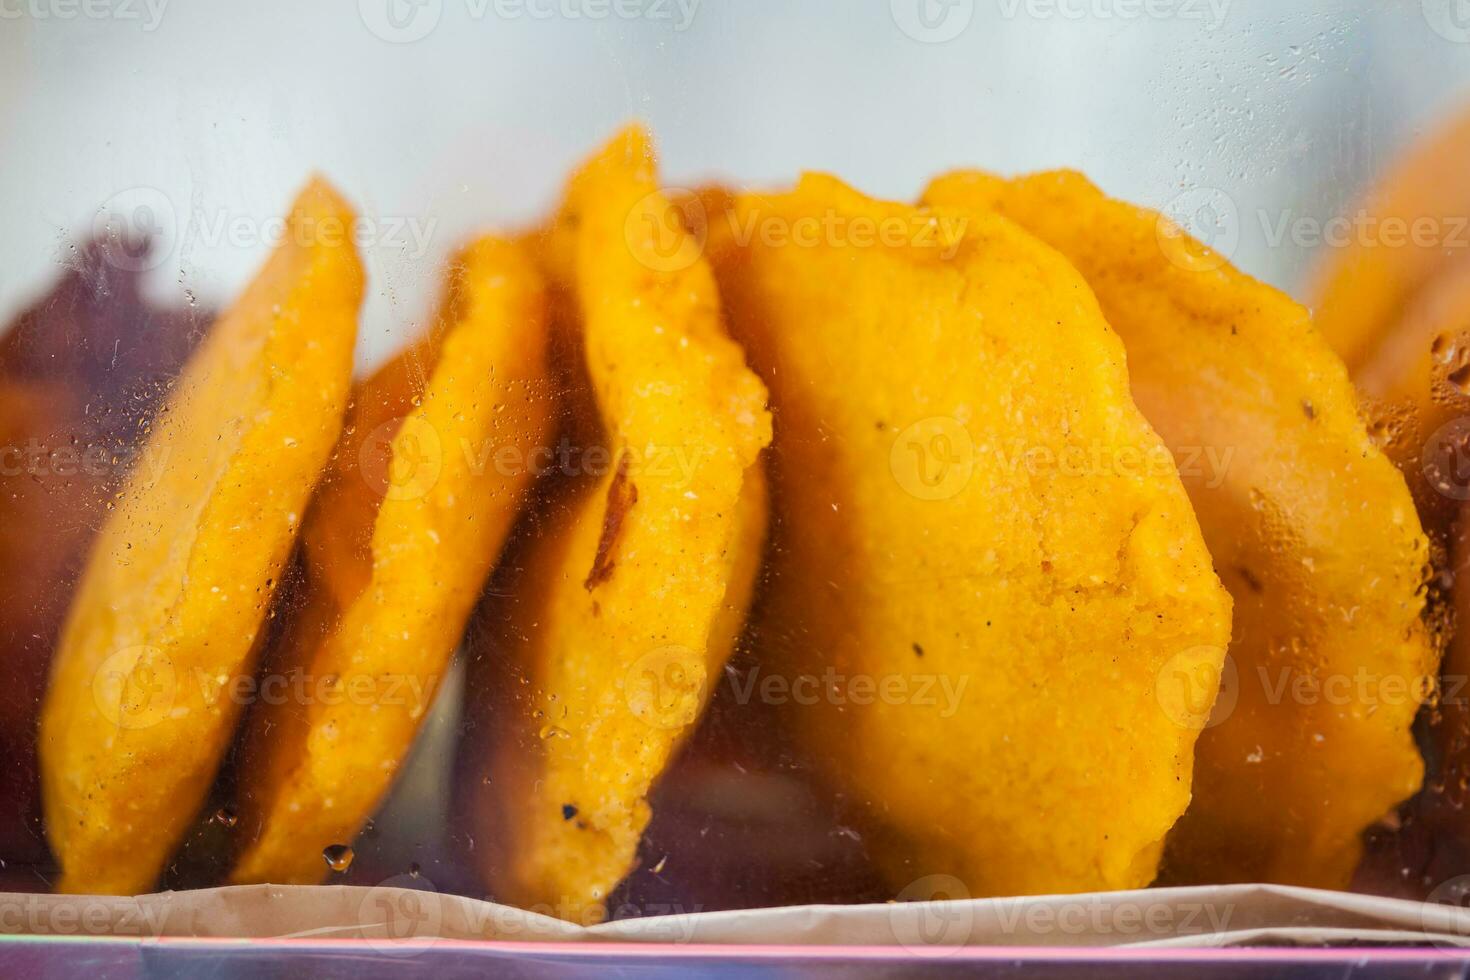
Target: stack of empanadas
[{"x": 1027, "y": 445}]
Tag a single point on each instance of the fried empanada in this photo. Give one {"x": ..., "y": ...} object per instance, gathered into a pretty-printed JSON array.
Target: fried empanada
[
  {"x": 985, "y": 576},
  {"x": 139, "y": 706},
  {"x": 1311, "y": 528},
  {"x": 430, "y": 473},
  {"x": 603, "y": 645}
]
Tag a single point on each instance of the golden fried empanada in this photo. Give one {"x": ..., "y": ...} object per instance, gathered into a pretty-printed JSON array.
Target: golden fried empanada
[
  {"x": 1311, "y": 528},
  {"x": 430, "y": 473},
  {"x": 629, "y": 593},
  {"x": 139, "y": 707},
  {"x": 985, "y": 575}
]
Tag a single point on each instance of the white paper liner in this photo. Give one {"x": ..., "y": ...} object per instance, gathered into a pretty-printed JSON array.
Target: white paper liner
[{"x": 389, "y": 916}]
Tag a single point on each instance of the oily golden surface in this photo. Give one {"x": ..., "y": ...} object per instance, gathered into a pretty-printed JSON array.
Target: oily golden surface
[
  {"x": 138, "y": 711},
  {"x": 430, "y": 473},
  {"x": 981, "y": 550},
  {"x": 1311, "y": 529},
  {"x": 632, "y": 589},
  {"x": 1411, "y": 225}
]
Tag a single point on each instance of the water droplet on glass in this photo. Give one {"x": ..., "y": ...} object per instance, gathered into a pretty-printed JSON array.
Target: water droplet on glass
[{"x": 338, "y": 856}]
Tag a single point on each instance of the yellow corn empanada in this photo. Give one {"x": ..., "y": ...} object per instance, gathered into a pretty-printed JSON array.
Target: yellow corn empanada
[
  {"x": 1311, "y": 528},
  {"x": 430, "y": 473},
  {"x": 626, "y": 598},
  {"x": 140, "y": 704},
  {"x": 985, "y": 574}
]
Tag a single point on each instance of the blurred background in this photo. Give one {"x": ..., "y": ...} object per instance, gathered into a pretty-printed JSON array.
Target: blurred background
[{"x": 198, "y": 118}]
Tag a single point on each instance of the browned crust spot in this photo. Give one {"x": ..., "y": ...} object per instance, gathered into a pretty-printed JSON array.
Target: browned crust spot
[{"x": 622, "y": 494}]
